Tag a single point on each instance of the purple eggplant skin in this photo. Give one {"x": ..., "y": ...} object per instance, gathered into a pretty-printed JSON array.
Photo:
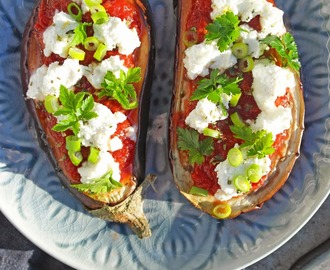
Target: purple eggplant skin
[
  {"x": 128, "y": 209},
  {"x": 180, "y": 165}
]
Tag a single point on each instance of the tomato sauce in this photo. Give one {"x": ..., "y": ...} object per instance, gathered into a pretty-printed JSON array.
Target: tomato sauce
[
  {"x": 125, "y": 156},
  {"x": 204, "y": 175}
]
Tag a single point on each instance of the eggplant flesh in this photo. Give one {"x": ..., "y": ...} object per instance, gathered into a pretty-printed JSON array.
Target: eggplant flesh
[
  {"x": 181, "y": 168},
  {"x": 127, "y": 205}
]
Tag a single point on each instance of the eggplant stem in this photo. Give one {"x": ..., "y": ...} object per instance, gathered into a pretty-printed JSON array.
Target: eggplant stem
[{"x": 130, "y": 210}]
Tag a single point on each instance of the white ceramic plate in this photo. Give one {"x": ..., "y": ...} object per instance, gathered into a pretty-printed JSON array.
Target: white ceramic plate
[{"x": 183, "y": 237}]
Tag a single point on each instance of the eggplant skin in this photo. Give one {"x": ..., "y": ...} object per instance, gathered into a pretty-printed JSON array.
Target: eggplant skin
[
  {"x": 180, "y": 165},
  {"x": 129, "y": 209}
]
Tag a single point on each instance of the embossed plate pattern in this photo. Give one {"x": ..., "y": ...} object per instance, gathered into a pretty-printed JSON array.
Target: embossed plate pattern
[{"x": 183, "y": 237}]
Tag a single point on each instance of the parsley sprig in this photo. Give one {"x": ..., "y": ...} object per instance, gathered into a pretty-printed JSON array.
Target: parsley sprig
[
  {"x": 100, "y": 185},
  {"x": 122, "y": 88},
  {"x": 75, "y": 108},
  {"x": 197, "y": 149},
  {"x": 80, "y": 34},
  {"x": 286, "y": 48},
  {"x": 213, "y": 87},
  {"x": 225, "y": 29},
  {"x": 258, "y": 143}
]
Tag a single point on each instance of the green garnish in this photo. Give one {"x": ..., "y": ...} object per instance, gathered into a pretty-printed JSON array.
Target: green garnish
[
  {"x": 80, "y": 34},
  {"x": 122, "y": 88},
  {"x": 235, "y": 157},
  {"x": 100, "y": 185},
  {"x": 198, "y": 191},
  {"x": 258, "y": 143},
  {"x": 222, "y": 210},
  {"x": 241, "y": 183},
  {"x": 197, "y": 149},
  {"x": 75, "y": 11},
  {"x": 225, "y": 29},
  {"x": 215, "y": 86},
  {"x": 75, "y": 108},
  {"x": 286, "y": 48}
]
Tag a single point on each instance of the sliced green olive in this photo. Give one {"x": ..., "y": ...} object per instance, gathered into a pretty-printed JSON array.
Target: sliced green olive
[{"x": 240, "y": 50}]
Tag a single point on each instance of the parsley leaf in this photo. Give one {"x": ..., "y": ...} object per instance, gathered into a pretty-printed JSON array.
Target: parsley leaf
[
  {"x": 80, "y": 34},
  {"x": 100, "y": 185},
  {"x": 75, "y": 108},
  {"x": 215, "y": 86},
  {"x": 286, "y": 48},
  {"x": 225, "y": 29},
  {"x": 197, "y": 149},
  {"x": 258, "y": 143},
  {"x": 122, "y": 89}
]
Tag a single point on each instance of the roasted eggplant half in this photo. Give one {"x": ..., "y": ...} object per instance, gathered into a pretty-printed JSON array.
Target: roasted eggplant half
[
  {"x": 86, "y": 69},
  {"x": 237, "y": 114}
]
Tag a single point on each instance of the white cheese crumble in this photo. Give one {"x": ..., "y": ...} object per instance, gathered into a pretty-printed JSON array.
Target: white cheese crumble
[
  {"x": 105, "y": 164},
  {"x": 95, "y": 72},
  {"x": 206, "y": 112},
  {"x": 201, "y": 57},
  {"x": 131, "y": 133},
  {"x": 271, "y": 18},
  {"x": 115, "y": 144},
  {"x": 59, "y": 35},
  {"x": 115, "y": 33},
  {"x": 226, "y": 173},
  {"x": 250, "y": 37},
  {"x": 47, "y": 80},
  {"x": 269, "y": 83},
  {"x": 97, "y": 131}
]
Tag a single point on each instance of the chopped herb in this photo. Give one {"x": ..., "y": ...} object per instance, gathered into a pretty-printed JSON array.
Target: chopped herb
[
  {"x": 197, "y": 149},
  {"x": 80, "y": 34},
  {"x": 286, "y": 48},
  {"x": 74, "y": 108},
  {"x": 122, "y": 88},
  {"x": 225, "y": 29},
  {"x": 258, "y": 143},
  {"x": 100, "y": 185},
  {"x": 215, "y": 86}
]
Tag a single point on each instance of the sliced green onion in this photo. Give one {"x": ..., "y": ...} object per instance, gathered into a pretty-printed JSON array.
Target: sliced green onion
[
  {"x": 51, "y": 104},
  {"x": 235, "y": 157},
  {"x": 240, "y": 50},
  {"x": 254, "y": 173},
  {"x": 212, "y": 133},
  {"x": 242, "y": 183},
  {"x": 91, "y": 43},
  {"x": 235, "y": 118},
  {"x": 190, "y": 38},
  {"x": 100, "y": 52},
  {"x": 72, "y": 143},
  {"x": 76, "y": 53},
  {"x": 222, "y": 210},
  {"x": 97, "y": 8},
  {"x": 234, "y": 100},
  {"x": 75, "y": 11},
  {"x": 75, "y": 157},
  {"x": 91, "y": 3},
  {"x": 100, "y": 17},
  {"x": 93, "y": 155},
  {"x": 246, "y": 64},
  {"x": 198, "y": 191}
]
